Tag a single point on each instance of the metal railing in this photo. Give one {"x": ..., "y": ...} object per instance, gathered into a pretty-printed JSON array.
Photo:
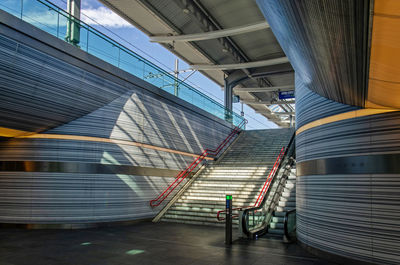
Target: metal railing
[
  {"x": 272, "y": 173},
  {"x": 264, "y": 189},
  {"x": 54, "y": 20},
  {"x": 183, "y": 174}
]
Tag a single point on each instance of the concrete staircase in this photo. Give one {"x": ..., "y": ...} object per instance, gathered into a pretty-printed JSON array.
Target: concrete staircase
[
  {"x": 241, "y": 171},
  {"x": 287, "y": 202}
]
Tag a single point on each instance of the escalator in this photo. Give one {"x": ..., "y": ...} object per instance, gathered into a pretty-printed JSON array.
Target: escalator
[{"x": 275, "y": 216}]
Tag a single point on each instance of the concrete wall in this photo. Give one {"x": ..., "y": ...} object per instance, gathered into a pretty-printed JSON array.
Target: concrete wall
[{"x": 92, "y": 143}]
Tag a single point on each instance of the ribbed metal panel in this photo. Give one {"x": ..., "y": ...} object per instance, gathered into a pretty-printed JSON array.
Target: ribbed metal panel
[
  {"x": 76, "y": 198},
  {"x": 325, "y": 41},
  {"x": 356, "y": 216},
  {"x": 39, "y": 92},
  {"x": 310, "y": 106},
  {"x": 376, "y": 134},
  {"x": 353, "y": 215}
]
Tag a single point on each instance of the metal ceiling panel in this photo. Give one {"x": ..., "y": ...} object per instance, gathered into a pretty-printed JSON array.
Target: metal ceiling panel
[{"x": 326, "y": 42}]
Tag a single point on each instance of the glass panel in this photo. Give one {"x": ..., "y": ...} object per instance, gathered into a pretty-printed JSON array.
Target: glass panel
[
  {"x": 102, "y": 48},
  {"x": 41, "y": 16},
  {"x": 62, "y": 27},
  {"x": 53, "y": 20},
  {"x": 14, "y": 7},
  {"x": 131, "y": 64}
]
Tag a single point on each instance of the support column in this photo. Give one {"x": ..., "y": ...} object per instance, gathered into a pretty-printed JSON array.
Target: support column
[
  {"x": 73, "y": 29},
  {"x": 228, "y": 100},
  {"x": 176, "y": 74}
]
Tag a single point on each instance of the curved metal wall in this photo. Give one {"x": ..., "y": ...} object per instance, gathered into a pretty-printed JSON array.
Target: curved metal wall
[
  {"x": 348, "y": 165},
  {"x": 107, "y": 144},
  {"x": 348, "y": 186},
  {"x": 310, "y": 106},
  {"x": 326, "y": 43}
]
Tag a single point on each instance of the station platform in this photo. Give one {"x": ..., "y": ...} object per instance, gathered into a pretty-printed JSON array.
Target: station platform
[{"x": 144, "y": 243}]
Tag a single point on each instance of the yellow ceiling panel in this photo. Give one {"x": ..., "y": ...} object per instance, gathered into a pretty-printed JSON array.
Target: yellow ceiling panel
[
  {"x": 384, "y": 75},
  {"x": 388, "y": 7}
]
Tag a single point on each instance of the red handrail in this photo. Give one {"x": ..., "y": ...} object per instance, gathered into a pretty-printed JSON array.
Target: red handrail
[
  {"x": 269, "y": 178},
  {"x": 264, "y": 188},
  {"x": 233, "y": 215},
  {"x": 183, "y": 174}
]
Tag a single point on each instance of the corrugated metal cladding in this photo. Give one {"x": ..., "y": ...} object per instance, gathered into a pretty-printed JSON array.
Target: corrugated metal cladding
[
  {"x": 376, "y": 134},
  {"x": 41, "y": 92},
  {"x": 339, "y": 209},
  {"x": 348, "y": 183},
  {"x": 325, "y": 41},
  {"x": 356, "y": 216},
  {"x": 310, "y": 106},
  {"x": 53, "y": 93}
]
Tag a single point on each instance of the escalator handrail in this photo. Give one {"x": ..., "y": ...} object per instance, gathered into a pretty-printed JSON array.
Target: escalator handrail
[
  {"x": 246, "y": 211},
  {"x": 269, "y": 178}
]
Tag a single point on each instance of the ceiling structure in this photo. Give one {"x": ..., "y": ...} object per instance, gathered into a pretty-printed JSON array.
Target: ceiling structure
[{"x": 225, "y": 40}]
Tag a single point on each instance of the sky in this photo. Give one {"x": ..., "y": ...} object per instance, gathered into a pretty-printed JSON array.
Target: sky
[{"x": 109, "y": 23}]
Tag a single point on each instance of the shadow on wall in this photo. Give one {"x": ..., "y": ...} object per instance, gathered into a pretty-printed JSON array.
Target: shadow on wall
[{"x": 134, "y": 117}]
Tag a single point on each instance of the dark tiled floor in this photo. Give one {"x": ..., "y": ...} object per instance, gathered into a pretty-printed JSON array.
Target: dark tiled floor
[{"x": 143, "y": 243}]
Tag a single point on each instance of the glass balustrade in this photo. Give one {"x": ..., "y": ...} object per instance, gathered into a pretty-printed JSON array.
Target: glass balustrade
[{"x": 54, "y": 20}]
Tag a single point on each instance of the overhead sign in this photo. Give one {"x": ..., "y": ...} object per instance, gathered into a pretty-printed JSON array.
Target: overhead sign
[{"x": 286, "y": 94}]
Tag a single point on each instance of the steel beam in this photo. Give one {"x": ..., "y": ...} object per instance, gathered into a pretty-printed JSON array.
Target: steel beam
[
  {"x": 281, "y": 113},
  {"x": 269, "y": 62},
  {"x": 212, "y": 34},
  {"x": 260, "y": 102},
  {"x": 263, "y": 89},
  {"x": 284, "y": 113}
]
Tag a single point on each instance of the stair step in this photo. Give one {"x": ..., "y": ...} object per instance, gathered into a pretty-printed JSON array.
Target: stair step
[
  {"x": 197, "y": 199},
  {"x": 242, "y": 172},
  {"x": 276, "y": 219},
  {"x": 284, "y": 209},
  {"x": 276, "y": 226},
  {"x": 211, "y": 205},
  {"x": 287, "y": 204},
  {"x": 276, "y": 231}
]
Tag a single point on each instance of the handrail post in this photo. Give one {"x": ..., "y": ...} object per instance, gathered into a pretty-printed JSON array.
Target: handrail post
[{"x": 228, "y": 220}]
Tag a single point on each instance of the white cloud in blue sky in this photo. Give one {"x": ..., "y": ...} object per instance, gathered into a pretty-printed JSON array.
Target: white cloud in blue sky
[{"x": 103, "y": 16}]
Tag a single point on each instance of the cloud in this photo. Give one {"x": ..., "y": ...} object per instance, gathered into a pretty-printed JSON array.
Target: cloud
[
  {"x": 42, "y": 19},
  {"x": 104, "y": 17}
]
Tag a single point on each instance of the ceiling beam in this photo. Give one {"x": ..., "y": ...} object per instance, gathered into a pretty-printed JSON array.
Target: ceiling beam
[
  {"x": 263, "y": 89},
  {"x": 262, "y": 63},
  {"x": 261, "y": 102},
  {"x": 211, "y": 34},
  {"x": 281, "y": 113},
  {"x": 284, "y": 113}
]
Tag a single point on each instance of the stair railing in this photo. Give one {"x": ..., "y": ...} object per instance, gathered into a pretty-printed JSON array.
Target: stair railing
[
  {"x": 260, "y": 215},
  {"x": 183, "y": 174},
  {"x": 267, "y": 182},
  {"x": 264, "y": 189}
]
